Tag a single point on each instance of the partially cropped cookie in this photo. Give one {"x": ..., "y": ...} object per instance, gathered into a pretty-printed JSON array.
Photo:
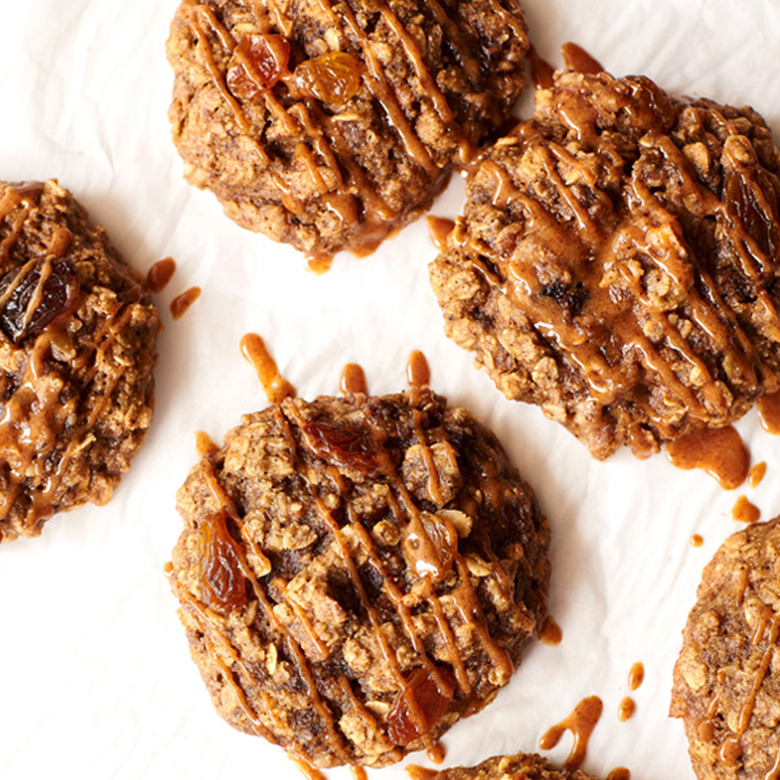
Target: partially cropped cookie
[
  {"x": 329, "y": 124},
  {"x": 521, "y": 766},
  {"x": 617, "y": 260},
  {"x": 727, "y": 678},
  {"x": 77, "y": 350},
  {"x": 357, "y": 573}
]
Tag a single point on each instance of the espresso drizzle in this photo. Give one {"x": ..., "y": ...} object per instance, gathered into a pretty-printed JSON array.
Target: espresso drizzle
[
  {"x": 718, "y": 451},
  {"x": 181, "y": 303},
  {"x": 436, "y": 753},
  {"x": 307, "y": 770},
  {"x": 353, "y": 380},
  {"x": 581, "y": 723},
  {"x": 697, "y": 540},
  {"x": 744, "y": 511},
  {"x": 636, "y": 676},
  {"x": 769, "y": 412},
  {"x": 756, "y": 474},
  {"x": 626, "y": 708},
  {"x": 319, "y": 264},
  {"x": 551, "y": 633},
  {"x": 418, "y": 374},
  {"x": 414, "y": 772},
  {"x": 275, "y": 386},
  {"x": 438, "y": 229},
  {"x": 619, "y": 773},
  {"x": 160, "y": 274}
]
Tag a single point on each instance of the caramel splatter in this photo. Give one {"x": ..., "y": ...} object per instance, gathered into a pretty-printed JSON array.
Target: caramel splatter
[
  {"x": 181, "y": 303},
  {"x": 581, "y": 723},
  {"x": 744, "y": 511},
  {"x": 276, "y": 388},
  {"x": 719, "y": 451}
]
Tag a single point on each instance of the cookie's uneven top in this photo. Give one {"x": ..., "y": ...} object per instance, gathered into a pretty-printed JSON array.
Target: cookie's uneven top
[
  {"x": 726, "y": 680},
  {"x": 329, "y": 124},
  {"x": 616, "y": 263},
  {"x": 77, "y": 349},
  {"x": 520, "y": 766},
  {"x": 357, "y": 573}
]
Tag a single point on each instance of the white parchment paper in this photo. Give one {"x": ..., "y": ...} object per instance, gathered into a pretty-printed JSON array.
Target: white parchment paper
[{"x": 95, "y": 676}]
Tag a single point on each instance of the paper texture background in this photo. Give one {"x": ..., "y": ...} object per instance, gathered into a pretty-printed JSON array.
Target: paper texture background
[{"x": 96, "y": 680}]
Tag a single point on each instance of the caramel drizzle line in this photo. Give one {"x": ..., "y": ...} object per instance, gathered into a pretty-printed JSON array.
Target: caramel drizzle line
[
  {"x": 208, "y": 625},
  {"x": 227, "y": 505},
  {"x": 383, "y": 92},
  {"x": 12, "y": 199},
  {"x": 716, "y": 207},
  {"x": 585, "y": 354},
  {"x": 418, "y": 716}
]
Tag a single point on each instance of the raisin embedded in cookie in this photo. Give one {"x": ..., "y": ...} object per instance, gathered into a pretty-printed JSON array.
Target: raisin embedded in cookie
[
  {"x": 77, "y": 349},
  {"x": 357, "y": 573},
  {"x": 727, "y": 677},
  {"x": 525, "y": 766},
  {"x": 329, "y": 124},
  {"x": 617, "y": 262}
]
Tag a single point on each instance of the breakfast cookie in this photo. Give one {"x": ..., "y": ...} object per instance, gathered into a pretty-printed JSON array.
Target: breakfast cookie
[
  {"x": 77, "y": 350},
  {"x": 727, "y": 678},
  {"x": 521, "y": 766},
  {"x": 616, "y": 263},
  {"x": 357, "y": 573},
  {"x": 329, "y": 124}
]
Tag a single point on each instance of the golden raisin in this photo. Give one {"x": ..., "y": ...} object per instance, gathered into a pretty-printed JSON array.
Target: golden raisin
[
  {"x": 331, "y": 78},
  {"x": 257, "y": 64}
]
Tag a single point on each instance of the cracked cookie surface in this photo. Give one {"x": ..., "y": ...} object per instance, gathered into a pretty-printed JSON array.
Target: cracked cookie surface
[
  {"x": 357, "y": 573},
  {"x": 617, "y": 260},
  {"x": 77, "y": 352}
]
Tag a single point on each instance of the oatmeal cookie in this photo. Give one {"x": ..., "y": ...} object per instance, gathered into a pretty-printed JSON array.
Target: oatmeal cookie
[
  {"x": 616, "y": 263},
  {"x": 328, "y": 124},
  {"x": 357, "y": 573},
  {"x": 77, "y": 350},
  {"x": 727, "y": 678},
  {"x": 521, "y": 766}
]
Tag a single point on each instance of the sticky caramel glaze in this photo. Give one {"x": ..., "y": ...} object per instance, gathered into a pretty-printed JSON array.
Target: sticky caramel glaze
[
  {"x": 353, "y": 380},
  {"x": 275, "y": 386},
  {"x": 436, "y": 753},
  {"x": 550, "y": 633},
  {"x": 438, "y": 229},
  {"x": 418, "y": 374},
  {"x": 160, "y": 274},
  {"x": 541, "y": 70},
  {"x": 636, "y": 676},
  {"x": 581, "y": 723},
  {"x": 204, "y": 445},
  {"x": 358, "y": 773},
  {"x": 697, "y": 540},
  {"x": 626, "y": 708},
  {"x": 718, "y": 451},
  {"x": 769, "y": 412},
  {"x": 181, "y": 303},
  {"x": 756, "y": 474},
  {"x": 23, "y": 197},
  {"x": 319, "y": 264},
  {"x": 619, "y": 773},
  {"x": 414, "y": 772},
  {"x": 744, "y": 511},
  {"x": 307, "y": 770},
  {"x": 305, "y": 121}
]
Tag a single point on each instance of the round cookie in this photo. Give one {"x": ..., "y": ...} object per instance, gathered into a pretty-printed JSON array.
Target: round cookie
[
  {"x": 357, "y": 573},
  {"x": 327, "y": 124},
  {"x": 77, "y": 350},
  {"x": 727, "y": 677},
  {"x": 528, "y": 766},
  {"x": 616, "y": 263}
]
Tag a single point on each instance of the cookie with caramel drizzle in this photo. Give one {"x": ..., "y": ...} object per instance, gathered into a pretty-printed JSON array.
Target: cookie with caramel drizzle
[
  {"x": 329, "y": 125},
  {"x": 356, "y": 573},
  {"x": 77, "y": 350},
  {"x": 617, "y": 261}
]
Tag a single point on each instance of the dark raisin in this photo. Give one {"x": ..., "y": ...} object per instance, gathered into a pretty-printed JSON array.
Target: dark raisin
[
  {"x": 257, "y": 64},
  {"x": 348, "y": 445},
  {"x": 224, "y": 586},
  {"x": 571, "y": 297},
  {"x": 419, "y": 706},
  {"x": 34, "y": 295}
]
